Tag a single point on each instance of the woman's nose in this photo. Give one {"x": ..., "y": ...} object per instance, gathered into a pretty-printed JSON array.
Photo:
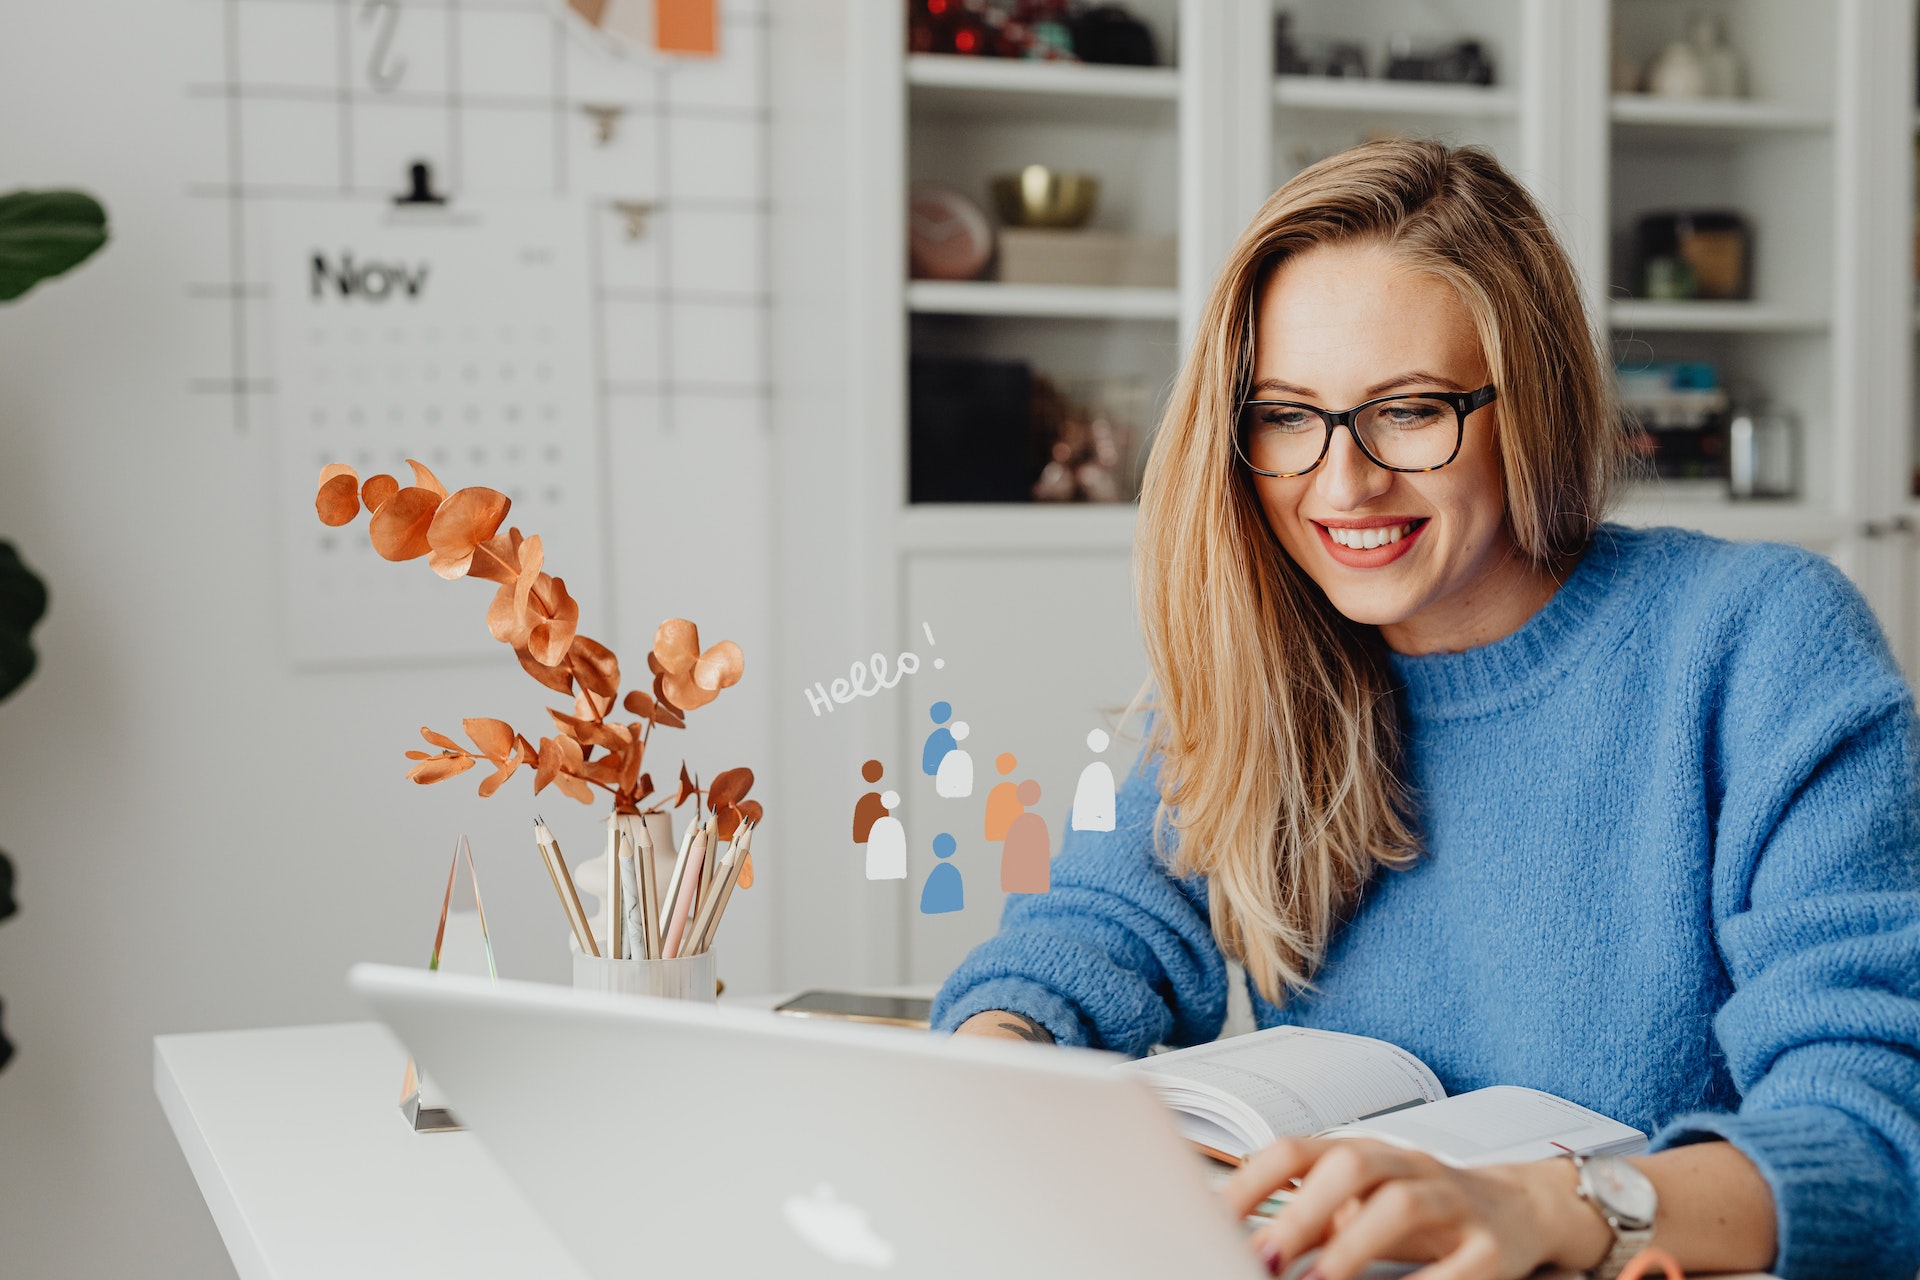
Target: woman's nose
[{"x": 1348, "y": 479}]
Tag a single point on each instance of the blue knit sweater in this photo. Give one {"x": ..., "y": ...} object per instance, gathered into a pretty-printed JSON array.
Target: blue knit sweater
[{"x": 1671, "y": 872}]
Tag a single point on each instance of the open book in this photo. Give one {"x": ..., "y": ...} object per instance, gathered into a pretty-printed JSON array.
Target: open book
[{"x": 1234, "y": 1096}]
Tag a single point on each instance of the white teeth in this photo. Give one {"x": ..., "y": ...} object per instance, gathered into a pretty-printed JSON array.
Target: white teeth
[{"x": 1367, "y": 539}]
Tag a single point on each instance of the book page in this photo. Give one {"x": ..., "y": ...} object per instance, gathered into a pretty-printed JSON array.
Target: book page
[
  {"x": 1295, "y": 1081},
  {"x": 1504, "y": 1124}
]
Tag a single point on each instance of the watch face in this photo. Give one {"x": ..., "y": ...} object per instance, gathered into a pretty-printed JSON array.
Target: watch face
[{"x": 1625, "y": 1192}]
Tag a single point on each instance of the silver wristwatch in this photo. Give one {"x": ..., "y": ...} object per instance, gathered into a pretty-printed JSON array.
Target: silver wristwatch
[{"x": 1623, "y": 1196}]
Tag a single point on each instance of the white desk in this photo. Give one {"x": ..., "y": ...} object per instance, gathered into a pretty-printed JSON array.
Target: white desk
[{"x": 295, "y": 1137}]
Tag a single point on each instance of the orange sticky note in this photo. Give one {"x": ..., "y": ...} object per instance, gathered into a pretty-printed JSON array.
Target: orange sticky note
[{"x": 687, "y": 26}]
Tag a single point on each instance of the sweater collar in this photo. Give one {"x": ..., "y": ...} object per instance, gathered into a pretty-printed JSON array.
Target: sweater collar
[{"x": 1522, "y": 665}]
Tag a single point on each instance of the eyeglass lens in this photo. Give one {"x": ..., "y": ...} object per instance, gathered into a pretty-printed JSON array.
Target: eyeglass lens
[{"x": 1413, "y": 433}]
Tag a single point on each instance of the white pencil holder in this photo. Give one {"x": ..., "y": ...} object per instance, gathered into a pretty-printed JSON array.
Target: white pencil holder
[{"x": 682, "y": 978}]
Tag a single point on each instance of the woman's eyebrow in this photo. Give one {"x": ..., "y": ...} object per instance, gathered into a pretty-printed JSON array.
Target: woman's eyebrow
[{"x": 1417, "y": 377}]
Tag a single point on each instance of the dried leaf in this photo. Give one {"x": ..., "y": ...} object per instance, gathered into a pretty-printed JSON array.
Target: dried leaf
[
  {"x": 677, "y": 645},
  {"x": 666, "y": 712},
  {"x": 399, "y": 527},
  {"x": 653, "y": 664},
  {"x": 594, "y": 666},
  {"x": 375, "y": 492},
  {"x": 418, "y": 755},
  {"x": 495, "y": 738},
  {"x": 495, "y": 780},
  {"x": 440, "y": 739},
  {"x": 574, "y": 787},
  {"x": 728, "y": 789},
  {"x": 720, "y": 667},
  {"x": 638, "y": 703},
  {"x": 685, "y": 694},
  {"x": 688, "y": 787},
  {"x": 610, "y": 736},
  {"x": 551, "y": 637},
  {"x": 725, "y": 823},
  {"x": 460, "y": 525},
  {"x": 591, "y": 706},
  {"x": 559, "y": 679},
  {"x": 426, "y": 479},
  {"x": 645, "y": 786},
  {"x": 338, "y": 500},
  {"x": 546, "y": 765},
  {"x": 440, "y": 768},
  {"x": 752, "y": 811},
  {"x": 497, "y": 560},
  {"x": 504, "y": 620},
  {"x": 605, "y": 771},
  {"x": 746, "y": 873}
]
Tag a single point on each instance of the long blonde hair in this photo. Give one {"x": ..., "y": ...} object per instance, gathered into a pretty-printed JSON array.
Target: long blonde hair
[{"x": 1275, "y": 722}]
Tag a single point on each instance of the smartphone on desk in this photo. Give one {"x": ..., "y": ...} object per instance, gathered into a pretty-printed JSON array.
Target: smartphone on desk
[{"x": 896, "y": 1011}]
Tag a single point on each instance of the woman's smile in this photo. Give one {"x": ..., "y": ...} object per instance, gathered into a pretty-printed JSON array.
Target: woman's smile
[{"x": 1371, "y": 542}]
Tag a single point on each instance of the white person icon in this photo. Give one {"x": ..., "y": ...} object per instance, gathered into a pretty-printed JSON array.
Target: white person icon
[
  {"x": 887, "y": 843},
  {"x": 1093, "y": 798}
]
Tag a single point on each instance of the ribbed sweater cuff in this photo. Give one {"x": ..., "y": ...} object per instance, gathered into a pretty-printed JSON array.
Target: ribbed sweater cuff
[
  {"x": 1016, "y": 995},
  {"x": 1831, "y": 1202}
]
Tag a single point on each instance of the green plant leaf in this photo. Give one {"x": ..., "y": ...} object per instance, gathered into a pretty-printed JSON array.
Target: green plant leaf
[
  {"x": 43, "y": 233},
  {"x": 23, "y": 601}
]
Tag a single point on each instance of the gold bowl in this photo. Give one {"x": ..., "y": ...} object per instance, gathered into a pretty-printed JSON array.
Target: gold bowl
[{"x": 1041, "y": 197}]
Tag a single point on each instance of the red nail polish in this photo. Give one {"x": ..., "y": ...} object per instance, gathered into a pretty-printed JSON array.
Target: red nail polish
[{"x": 1271, "y": 1257}]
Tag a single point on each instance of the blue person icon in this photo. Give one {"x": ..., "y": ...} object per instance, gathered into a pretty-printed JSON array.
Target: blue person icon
[
  {"x": 943, "y": 891},
  {"x": 940, "y": 741}
]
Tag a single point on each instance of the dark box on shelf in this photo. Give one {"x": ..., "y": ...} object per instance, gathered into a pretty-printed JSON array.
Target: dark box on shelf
[{"x": 969, "y": 433}]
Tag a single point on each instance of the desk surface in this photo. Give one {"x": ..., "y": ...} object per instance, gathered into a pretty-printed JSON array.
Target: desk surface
[{"x": 295, "y": 1137}]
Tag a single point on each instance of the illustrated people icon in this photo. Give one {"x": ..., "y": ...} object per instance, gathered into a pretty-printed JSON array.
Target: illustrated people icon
[
  {"x": 1093, "y": 798},
  {"x": 1003, "y": 802},
  {"x": 1025, "y": 859},
  {"x": 954, "y": 778},
  {"x": 868, "y": 809},
  {"x": 939, "y": 742},
  {"x": 943, "y": 891},
  {"x": 887, "y": 843}
]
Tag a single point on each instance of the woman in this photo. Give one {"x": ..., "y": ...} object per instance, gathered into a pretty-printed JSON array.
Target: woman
[{"x": 1628, "y": 816}]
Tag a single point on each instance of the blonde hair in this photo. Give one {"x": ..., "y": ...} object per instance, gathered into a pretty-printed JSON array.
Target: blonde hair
[{"x": 1275, "y": 721}]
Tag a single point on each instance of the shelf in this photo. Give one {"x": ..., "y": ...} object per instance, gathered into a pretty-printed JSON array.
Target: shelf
[
  {"x": 1090, "y": 302},
  {"x": 1393, "y": 97},
  {"x": 1015, "y": 89},
  {"x": 1705, "y": 506},
  {"x": 1017, "y": 527},
  {"x": 1715, "y": 115},
  {"x": 1649, "y": 315}
]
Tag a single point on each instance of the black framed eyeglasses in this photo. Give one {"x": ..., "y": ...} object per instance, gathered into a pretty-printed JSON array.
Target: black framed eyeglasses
[{"x": 1414, "y": 431}]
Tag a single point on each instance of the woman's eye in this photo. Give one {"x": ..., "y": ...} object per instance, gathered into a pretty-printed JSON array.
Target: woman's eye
[
  {"x": 1404, "y": 416},
  {"x": 1286, "y": 419}
]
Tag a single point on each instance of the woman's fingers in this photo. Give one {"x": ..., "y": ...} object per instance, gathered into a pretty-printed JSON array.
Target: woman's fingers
[
  {"x": 1404, "y": 1220},
  {"x": 1341, "y": 1170},
  {"x": 1267, "y": 1170},
  {"x": 1477, "y": 1258}
]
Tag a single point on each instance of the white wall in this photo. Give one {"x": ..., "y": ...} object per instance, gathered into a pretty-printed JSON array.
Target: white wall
[{"x": 204, "y": 836}]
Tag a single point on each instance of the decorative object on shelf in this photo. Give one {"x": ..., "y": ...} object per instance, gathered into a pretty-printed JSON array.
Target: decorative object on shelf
[
  {"x": 1680, "y": 412},
  {"x": 1678, "y": 72},
  {"x": 1439, "y": 61},
  {"x": 948, "y": 235},
  {"x": 1037, "y": 196},
  {"x": 1313, "y": 55},
  {"x": 1763, "y": 453},
  {"x": 1038, "y": 29},
  {"x": 1082, "y": 257},
  {"x": 1108, "y": 34},
  {"x": 1695, "y": 254},
  {"x": 1089, "y": 431},
  {"x": 969, "y": 433},
  {"x": 1726, "y": 71}
]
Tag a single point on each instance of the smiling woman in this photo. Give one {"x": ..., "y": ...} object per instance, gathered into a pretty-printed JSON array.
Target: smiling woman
[{"x": 1627, "y": 816}]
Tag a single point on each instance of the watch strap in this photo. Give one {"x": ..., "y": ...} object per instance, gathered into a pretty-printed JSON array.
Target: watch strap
[{"x": 1628, "y": 1241}]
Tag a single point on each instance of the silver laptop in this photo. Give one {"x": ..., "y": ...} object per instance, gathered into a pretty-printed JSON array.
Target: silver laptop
[{"x": 660, "y": 1138}]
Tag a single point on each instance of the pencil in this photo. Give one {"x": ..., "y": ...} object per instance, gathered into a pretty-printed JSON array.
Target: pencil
[
  {"x": 649, "y": 884},
  {"x": 630, "y": 930},
  {"x": 727, "y": 865},
  {"x": 689, "y": 888},
  {"x": 673, "y": 883},
  {"x": 737, "y": 856},
  {"x": 563, "y": 886},
  {"x": 611, "y": 900}
]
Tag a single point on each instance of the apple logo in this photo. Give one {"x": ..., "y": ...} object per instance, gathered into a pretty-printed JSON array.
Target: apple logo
[{"x": 837, "y": 1229}]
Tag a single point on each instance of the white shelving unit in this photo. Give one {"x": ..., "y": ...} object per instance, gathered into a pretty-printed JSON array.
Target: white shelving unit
[{"x": 1032, "y": 604}]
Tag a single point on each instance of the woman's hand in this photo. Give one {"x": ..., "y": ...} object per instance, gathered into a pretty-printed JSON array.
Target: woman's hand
[
  {"x": 1002, "y": 1025},
  {"x": 1361, "y": 1201}
]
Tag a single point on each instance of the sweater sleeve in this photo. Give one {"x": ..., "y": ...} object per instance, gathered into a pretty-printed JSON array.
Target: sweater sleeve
[
  {"x": 1118, "y": 954},
  {"x": 1816, "y": 904}
]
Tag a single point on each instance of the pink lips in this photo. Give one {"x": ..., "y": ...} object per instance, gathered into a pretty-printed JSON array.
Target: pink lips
[{"x": 1373, "y": 557}]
